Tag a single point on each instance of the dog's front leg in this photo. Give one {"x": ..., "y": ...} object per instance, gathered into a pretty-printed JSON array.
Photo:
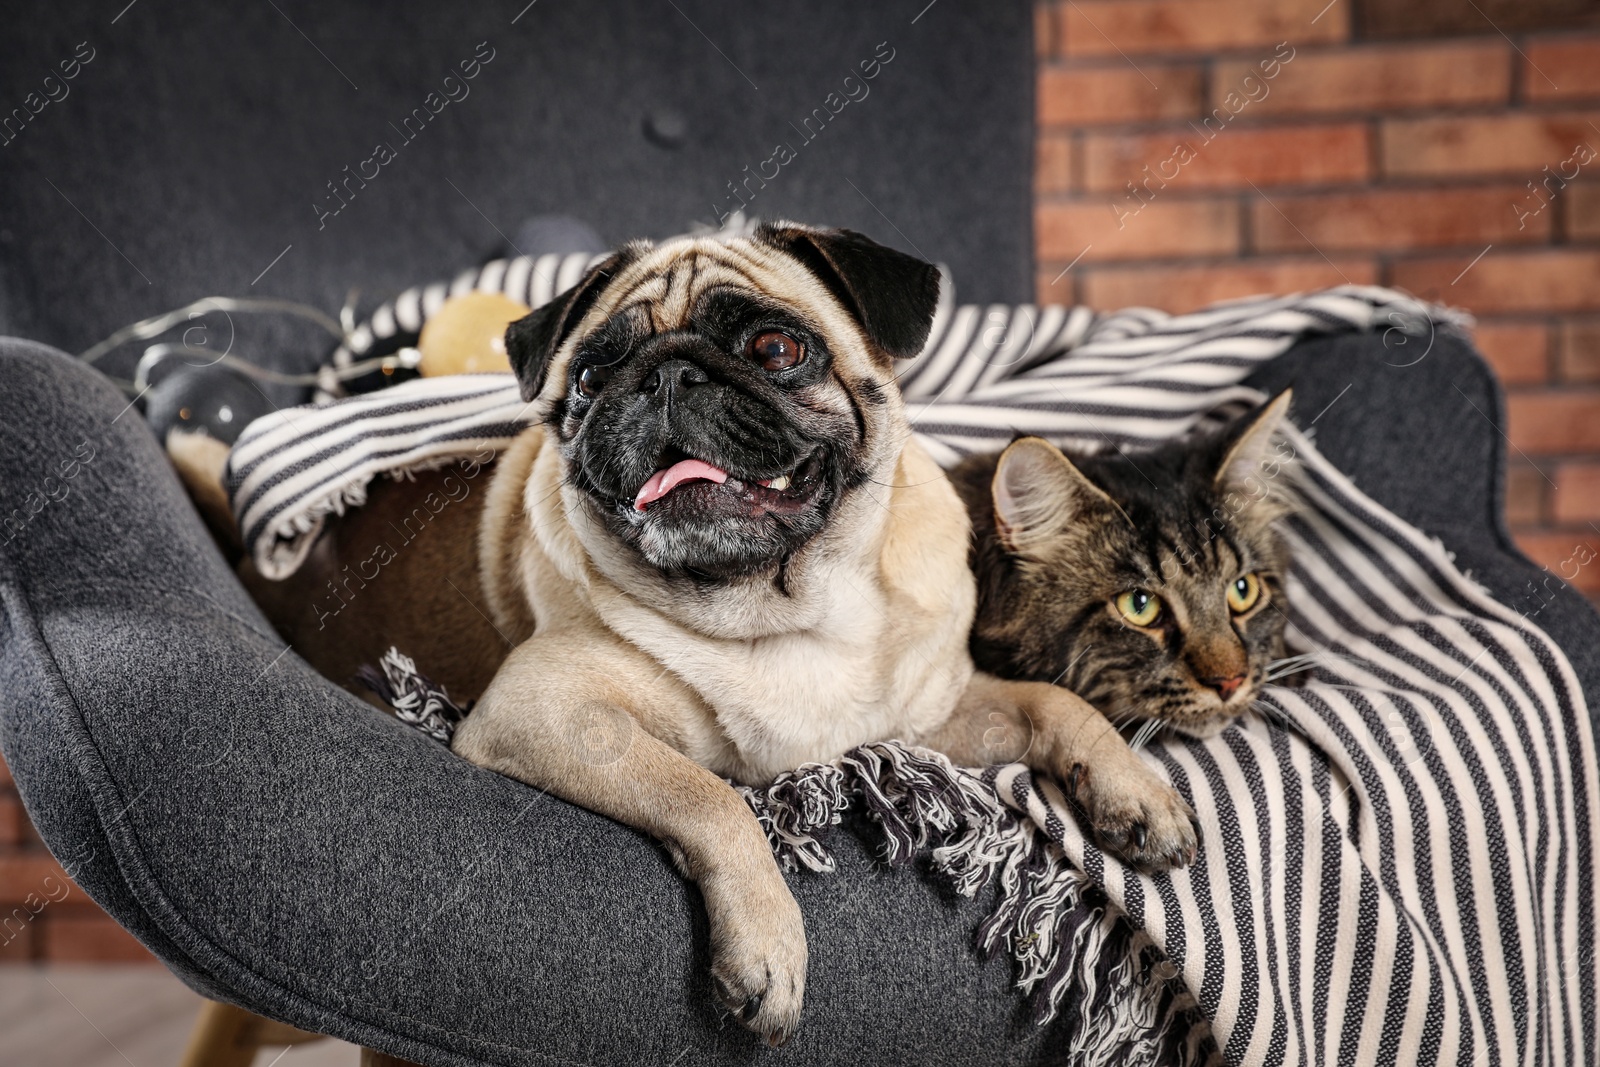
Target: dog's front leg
[
  {"x": 577, "y": 733},
  {"x": 1129, "y": 809}
]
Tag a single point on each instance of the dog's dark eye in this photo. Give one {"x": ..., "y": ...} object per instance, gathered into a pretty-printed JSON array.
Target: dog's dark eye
[
  {"x": 776, "y": 351},
  {"x": 593, "y": 378}
]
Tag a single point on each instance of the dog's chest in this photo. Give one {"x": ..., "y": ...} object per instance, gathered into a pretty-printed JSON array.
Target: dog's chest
[{"x": 801, "y": 696}]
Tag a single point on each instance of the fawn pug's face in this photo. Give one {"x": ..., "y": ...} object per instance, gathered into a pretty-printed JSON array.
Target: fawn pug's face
[{"x": 715, "y": 402}]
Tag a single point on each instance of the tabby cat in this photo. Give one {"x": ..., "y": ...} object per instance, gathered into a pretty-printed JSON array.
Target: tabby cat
[{"x": 1150, "y": 584}]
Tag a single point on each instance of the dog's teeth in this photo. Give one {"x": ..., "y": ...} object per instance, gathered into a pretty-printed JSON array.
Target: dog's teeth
[{"x": 780, "y": 483}]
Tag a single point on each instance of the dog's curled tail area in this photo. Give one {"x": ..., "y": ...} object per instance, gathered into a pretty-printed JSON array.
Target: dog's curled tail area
[{"x": 200, "y": 460}]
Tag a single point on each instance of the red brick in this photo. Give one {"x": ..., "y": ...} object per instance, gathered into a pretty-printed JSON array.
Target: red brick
[
  {"x": 1580, "y": 203},
  {"x": 1044, "y": 30},
  {"x": 87, "y": 937},
  {"x": 1051, "y": 286},
  {"x": 1053, "y": 164},
  {"x": 1082, "y": 96},
  {"x": 1233, "y": 157},
  {"x": 1577, "y": 494},
  {"x": 1525, "y": 487},
  {"x": 17, "y": 942},
  {"x": 12, "y": 819},
  {"x": 1180, "y": 289},
  {"x": 22, "y": 873},
  {"x": 1518, "y": 351},
  {"x": 1132, "y": 27},
  {"x": 1561, "y": 68},
  {"x": 1165, "y": 228},
  {"x": 1548, "y": 423},
  {"x": 1448, "y": 18},
  {"x": 5, "y": 774},
  {"x": 1553, "y": 280},
  {"x": 1460, "y": 146},
  {"x": 1578, "y": 358},
  {"x": 1572, "y": 557},
  {"x": 1383, "y": 78},
  {"x": 1393, "y": 218}
]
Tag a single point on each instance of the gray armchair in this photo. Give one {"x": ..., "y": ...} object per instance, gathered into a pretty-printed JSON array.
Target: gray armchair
[{"x": 284, "y": 847}]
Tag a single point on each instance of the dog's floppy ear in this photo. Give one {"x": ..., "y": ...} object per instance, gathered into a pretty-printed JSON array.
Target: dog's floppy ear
[
  {"x": 532, "y": 340},
  {"x": 891, "y": 294}
]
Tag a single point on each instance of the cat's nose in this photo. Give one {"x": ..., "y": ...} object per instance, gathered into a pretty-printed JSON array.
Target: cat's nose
[{"x": 1225, "y": 687}]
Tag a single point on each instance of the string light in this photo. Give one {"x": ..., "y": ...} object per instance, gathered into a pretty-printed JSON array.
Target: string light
[{"x": 156, "y": 325}]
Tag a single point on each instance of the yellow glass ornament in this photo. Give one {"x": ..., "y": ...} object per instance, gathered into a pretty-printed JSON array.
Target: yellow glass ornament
[{"x": 467, "y": 335}]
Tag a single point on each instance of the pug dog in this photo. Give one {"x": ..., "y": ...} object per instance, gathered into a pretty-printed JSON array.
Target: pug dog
[{"x": 720, "y": 554}]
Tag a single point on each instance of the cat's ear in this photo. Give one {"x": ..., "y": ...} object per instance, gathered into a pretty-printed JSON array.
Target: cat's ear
[
  {"x": 1039, "y": 495},
  {"x": 1248, "y": 450}
]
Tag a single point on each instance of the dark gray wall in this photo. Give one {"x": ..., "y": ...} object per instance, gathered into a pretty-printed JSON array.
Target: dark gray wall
[{"x": 193, "y": 147}]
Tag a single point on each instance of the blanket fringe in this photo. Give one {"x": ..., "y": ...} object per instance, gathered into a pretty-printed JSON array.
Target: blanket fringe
[
  {"x": 413, "y": 696},
  {"x": 1075, "y": 957}
]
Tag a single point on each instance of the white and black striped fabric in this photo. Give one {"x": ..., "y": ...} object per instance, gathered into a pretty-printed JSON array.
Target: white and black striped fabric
[
  {"x": 986, "y": 373},
  {"x": 1398, "y": 859}
]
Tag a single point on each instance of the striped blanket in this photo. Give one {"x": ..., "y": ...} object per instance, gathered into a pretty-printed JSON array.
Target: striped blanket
[{"x": 1398, "y": 858}]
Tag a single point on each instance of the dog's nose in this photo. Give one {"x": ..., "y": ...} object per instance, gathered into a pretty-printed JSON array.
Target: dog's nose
[
  {"x": 1225, "y": 687},
  {"x": 672, "y": 377}
]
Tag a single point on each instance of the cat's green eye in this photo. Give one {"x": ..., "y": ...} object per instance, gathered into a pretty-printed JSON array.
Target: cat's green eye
[
  {"x": 1243, "y": 593},
  {"x": 1138, "y": 607}
]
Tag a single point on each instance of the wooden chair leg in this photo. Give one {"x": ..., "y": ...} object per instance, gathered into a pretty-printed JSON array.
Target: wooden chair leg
[
  {"x": 217, "y": 1037},
  {"x": 226, "y": 1036}
]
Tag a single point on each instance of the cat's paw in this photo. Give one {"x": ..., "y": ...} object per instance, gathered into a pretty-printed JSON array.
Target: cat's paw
[{"x": 1133, "y": 813}]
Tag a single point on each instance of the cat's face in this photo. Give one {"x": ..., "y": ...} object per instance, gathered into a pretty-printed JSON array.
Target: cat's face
[{"x": 1150, "y": 584}]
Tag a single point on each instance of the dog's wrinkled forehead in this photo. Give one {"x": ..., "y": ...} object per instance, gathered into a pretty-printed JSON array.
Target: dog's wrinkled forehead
[
  {"x": 664, "y": 287},
  {"x": 872, "y": 304}
]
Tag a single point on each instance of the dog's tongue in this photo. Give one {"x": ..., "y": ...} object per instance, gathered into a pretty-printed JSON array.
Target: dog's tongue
[{"x": 665, "y": 481}]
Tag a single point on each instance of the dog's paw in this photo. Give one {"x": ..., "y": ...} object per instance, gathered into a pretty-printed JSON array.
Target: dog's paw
[
  {"x": 758, "y": 951},
  {"x": 1133, "y": 813}
]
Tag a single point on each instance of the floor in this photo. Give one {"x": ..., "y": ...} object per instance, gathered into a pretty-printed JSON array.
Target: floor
[{"x": 116, "y": 1016}]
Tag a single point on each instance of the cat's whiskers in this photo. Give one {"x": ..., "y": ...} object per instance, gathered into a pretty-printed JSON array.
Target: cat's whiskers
[
  {"x": 1145, "y": 733},
  {"x": 1353, "y": 688},
  {"x": 1271, "y": 714},
  {"x": 1124, "y": 718},
  {"x": 1282, "y": 668}
]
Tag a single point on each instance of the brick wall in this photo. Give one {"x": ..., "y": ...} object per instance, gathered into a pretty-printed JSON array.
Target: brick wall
[
  {"x": 1388, "y": 145},
  {"x": 43, "y": 915},
  {"x": 1197, "y": 150}
]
